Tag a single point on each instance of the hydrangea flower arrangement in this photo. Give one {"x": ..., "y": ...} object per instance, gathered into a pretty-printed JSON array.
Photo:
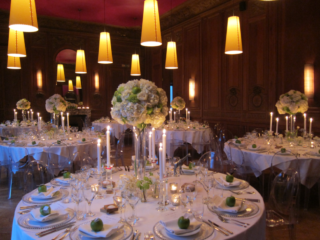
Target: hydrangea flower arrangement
[
  {"x": 178, "y": 103},
  {"x": 56, "y": 104},
  {"x": 292, "y": 102},
  {"x": 72, "y": 105},
  {"x": 23, "y": 104},
  {"x": 138, "y": 103}
]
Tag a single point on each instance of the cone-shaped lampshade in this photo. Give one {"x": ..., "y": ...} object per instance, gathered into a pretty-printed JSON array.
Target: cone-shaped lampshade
[
  {"x": 13, "y": 63},
  {"x": 23, "y": 16},
  {"x": 233, "y": 39},
  {"x": 135, "y": 65},
  {"x": 171, "y": 58},
  {"x": 81, "y": 66},
  {"x": 151, "y": 32},
  {"x": 78, "y": 82},
  {"x": 60, "y": 73},
  {"x": 70, "y": 86},
  {"x": 105, "y": 52},
  {"x": 16, "y": 46}
]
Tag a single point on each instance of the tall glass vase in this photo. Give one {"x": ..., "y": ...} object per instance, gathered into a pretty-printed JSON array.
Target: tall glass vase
[
  {"x": 291, "y": 133},
  {"x": 140, "y": 152},
  {"x": 56, "y": 117},
  {"x": 24, "y": 117}
]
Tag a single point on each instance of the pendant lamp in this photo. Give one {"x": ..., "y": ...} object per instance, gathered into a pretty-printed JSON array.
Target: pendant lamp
[
  {"x": 233, "y": 39},
  {"x": 23, "y": 16},
  {"x": 60, "y": 73},
  {"x": 16, "y": 46},
  {"x": 171, "y": 58},
  {"x": 81, "y": 67},
  {"x": 70, "y": 86},
  {"x": 151, "y": 32},
  {"x": 78, "y": 82},
  {"x": 13, "y": 63},
  {"x": 135, "y": 65},
  {"x": 105, "y": 52}
]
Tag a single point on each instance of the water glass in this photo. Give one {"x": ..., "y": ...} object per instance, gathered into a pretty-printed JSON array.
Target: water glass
[
  {"x": 89, "y": 195},
  {"x": 208, "y": 184},
  {"x": 133, "y": 198},
  {"x": 198, "y": 209}
]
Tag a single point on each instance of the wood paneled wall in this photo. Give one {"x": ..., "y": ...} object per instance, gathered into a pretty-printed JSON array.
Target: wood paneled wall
[
  {"x": 240, "y": 90},
  {"x": 42, "y": 47}
]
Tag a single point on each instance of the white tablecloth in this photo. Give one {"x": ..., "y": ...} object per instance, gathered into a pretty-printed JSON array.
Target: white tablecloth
[
  {"x": 116, "y": 128},
  {"x": 194, "y": 137},
  {"x": 8, "y": 131},
  {"x": 261, "y": 160},
  {"x": 149, "y": 216}
]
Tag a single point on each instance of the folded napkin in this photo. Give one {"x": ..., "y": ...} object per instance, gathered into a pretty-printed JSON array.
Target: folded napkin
[
  {"x": 254, "y": 149},
  {"x": 172, "y": 226},
  {"x": 187, "y": 169},
  {"x": 63, "y": 180},
  {"x": 106, "y": 232},
  {"x": 149, "y": 167},
  {"x": 56, "y": 211},
  {"x": 220, "y": 204},
  {"x": 45, "y": 195},
  {"x": 221, "y": 181}
]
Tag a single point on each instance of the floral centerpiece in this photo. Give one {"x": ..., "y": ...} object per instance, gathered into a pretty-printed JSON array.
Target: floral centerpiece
[
  {"x": 178, "y": 103},
  {"x": 72, "y": 105},
  {"x": 56, "y": 104},
  {"x": 292, "y": 102},
  {"x": 23, "y": 105}
]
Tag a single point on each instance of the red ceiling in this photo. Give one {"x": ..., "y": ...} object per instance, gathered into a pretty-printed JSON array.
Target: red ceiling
[{"x": 127, "y": 13}]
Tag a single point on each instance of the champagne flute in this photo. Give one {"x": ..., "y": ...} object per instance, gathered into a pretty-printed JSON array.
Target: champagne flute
[
  {"x": 77, "y": 196},
  {"x": 184, "y": 200},
  {"x": 89, "y": 195},
  {"x": 120, "y": 201},
  {"x": 133, "y": 198},
  {"x": 208, "y": 184}
]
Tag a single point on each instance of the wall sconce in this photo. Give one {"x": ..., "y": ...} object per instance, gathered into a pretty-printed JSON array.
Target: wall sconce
[
  {"x": 39, "y": 83},
  {"x": 309, "y": 80},
  {"x": 70, "y": 86},
  {"x": 96, "y": 82},
  {"x": 78, "y": 82},
  {"x": 192, "y": 90}
]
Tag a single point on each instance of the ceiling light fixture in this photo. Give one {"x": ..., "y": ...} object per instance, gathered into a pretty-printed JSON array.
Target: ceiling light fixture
[
  {"x": 78, "y": 82},
  {"x": 13, "y": 63},
  {"x": 105, "y": 51},
  {"x": 135, "y": 65},
  {"x": 233, "y": 38},
  {"x": 70, "y": 86},
  {"x": 16, "y": 45},
  {"x": 151, "y": 31},
  {"x": 60, "y": 73},
  {"x": 23, "y": 16},
  {"x": 81, "y": 67},
  {"x": 171, "y": 56}
]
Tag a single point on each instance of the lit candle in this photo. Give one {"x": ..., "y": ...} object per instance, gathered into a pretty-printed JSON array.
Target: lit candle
[
  {"x": 38, "y": 116},
  {"x": 287, "y": 123},
  {"x": 28, "y": 115},
  {"x": 189, "y": 115},
  {"x": 173, "y": 187},
  {"x": 150, "y": 146},
  {"x": 271, "y": 114},
  {"x": 160, "y": 161},
  {"x": 31, "y": 115},
  {"x": 99, "y": 156},
  {"x": 39, "y": 123},
  {"x": 186, "y": 113},
  {"x": 277, "y": 119},
  {"x": 108, "y": 146},
  {"x": 164, "y": 143},
  {"x": 175, "y": 200},
  {"x": 62, "y": 122},
  {"x": 310, "y": 127},
  {"x": 15, "y": 115},
  {"x": 170, "y": 114},
  {"x": 68, "y": 122},
  {"x": 153, "y": 144},
  {"x": 175, "y": 117}
]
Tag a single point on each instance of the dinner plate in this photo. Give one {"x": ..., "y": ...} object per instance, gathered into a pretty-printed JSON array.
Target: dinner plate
[
  {"x": 122, "y": 234},
  {"x": 27, "y": 220},
  {"x": 63, "y": 193},
  {"x": 205, "y": 232},
  {"x": 256, "y": 149},
  {"x": 243, "y": 185},
  {"x": 250, "y": 210},
  {"x": 185, "y": 234}
]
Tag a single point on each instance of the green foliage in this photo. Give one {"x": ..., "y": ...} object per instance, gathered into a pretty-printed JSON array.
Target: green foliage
[
  {"x": 136, "y": 90},
  {"x": 144, "y": 183},
  {"x": 133, "y": 98}
]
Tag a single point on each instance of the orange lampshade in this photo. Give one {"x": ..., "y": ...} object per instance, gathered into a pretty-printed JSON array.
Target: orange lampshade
[
  {"x": 70, "y": 86},
  {"x": 23, "y": 16},
  {"x": 13, "y": 63},
  {"x": 60, "y": 73},
  {"x": 151, "y": 31},
  {"x": 105, "y": 51},
  {"x": 171, "y": 58},
  {"x": 135, "y": 65},
  {"x": 16, "y": 45},
  {"x": 233, "y": 39},
  {"x": 78, "y": 82},
  {"x": 81, "y": 67}
]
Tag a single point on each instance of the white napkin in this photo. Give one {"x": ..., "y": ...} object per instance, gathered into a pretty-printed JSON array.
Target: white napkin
[
  {"x": 63, "y": 180},
  {"x": 106, "y": 232},
  {"x": 56, "y": 211},
  {"x": 224, "y": 183},
  {"x": 172, "y": 226},
  {"x": 30, "y": 144},
  {"x": 254, "y": 149},
  {"x": 149, "y": 167},
  {"x": 187, "y": 169},
  {"x": 220, "y": 204},
  {"x": 45, "y": 195}
]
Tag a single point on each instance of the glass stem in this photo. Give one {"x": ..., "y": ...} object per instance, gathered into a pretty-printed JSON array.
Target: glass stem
[
  {"x": 133, "y": 213},
  {"x": 89, "y": 206}
]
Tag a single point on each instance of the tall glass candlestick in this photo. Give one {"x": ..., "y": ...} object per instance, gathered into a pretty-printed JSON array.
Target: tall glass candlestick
[
  {"x": 153, "y": 144},
  {"x": 164, "y": 143},
  {"x": 68, "y": 128},
  {"x": 160, "y": 161},
  {"x": 99, "y": 156},
  {"x": 186, "y": 113},
  {"x": 62, "y": 122},
  {"x": 108, "y": 146},
  {"x": 150, "y": 146},
  {"x": 310, "y": 127},
  {"x": 277, "y": 119},
  {"x": 305, "y": 122},
  {"x": 271, "y": 114}
]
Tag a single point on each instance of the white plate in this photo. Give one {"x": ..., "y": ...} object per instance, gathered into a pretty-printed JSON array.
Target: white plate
[
  {"x": 28, "y": 199},
  {"x": 243, "y": 185},
  {"x": 185, "y": 234},
  {"x": 32, "y": 145},
  {"x": 258, "y": 148},
  {"x": 251, "y": 210}
]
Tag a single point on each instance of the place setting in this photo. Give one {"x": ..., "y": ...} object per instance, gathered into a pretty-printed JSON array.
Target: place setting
[
  {"x": 45, "y": 194},
  {"x": 229, "y": 182}
]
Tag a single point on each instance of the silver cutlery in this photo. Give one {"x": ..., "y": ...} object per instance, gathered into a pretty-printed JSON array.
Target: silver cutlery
[
  {"x": 216, "y": 228},
  {"x": 137, "y": 237},
  {"x": 24, "y": 212},
  {"x": 28, "y": 207},
  {"x": 54, "y": 229},
  {"x": 225, "y": 220},
  {"x": 134, "y": 234},
  {"x": 59, "y": 235},
  {"x": 241, "y": 192},
  {"x": 249, "y": 199},
  {"x": 221, "y": 228},
  {"x": 66, "y": 234}
]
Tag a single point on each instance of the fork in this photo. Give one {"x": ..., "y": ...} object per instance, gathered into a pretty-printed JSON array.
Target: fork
[
  {"x": 151, "y": 236},
  {"x": 66, "y": 231},
  {"x": 236, "y": 222},
  {"x": 241, "y": 192}
]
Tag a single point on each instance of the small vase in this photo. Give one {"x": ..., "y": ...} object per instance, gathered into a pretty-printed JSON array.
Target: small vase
[
  {"x": 56, "y": 119},
  {"x": 291, "y": 134},
  {"x": 155, "y": 188},
  {"x": 24, "y": 118},
  {"x": 144, "y": 195}
]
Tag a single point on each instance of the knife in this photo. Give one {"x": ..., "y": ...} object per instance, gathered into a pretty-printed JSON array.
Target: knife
[
  {"x": 249, "y": 199},
  {"x": 219, "y": 230},
  {"x": 54, "y": 229},
  {"x": 220, "y": 227},
  {"x": 28, "y": 207}
]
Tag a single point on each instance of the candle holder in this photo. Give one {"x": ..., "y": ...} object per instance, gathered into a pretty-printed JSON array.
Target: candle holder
[
  {"x": 173, "y": 187},
  {"x": 163, "y": 197},
  {"x": 108, "y": 173},
  {"x": 175, "y": 199}
]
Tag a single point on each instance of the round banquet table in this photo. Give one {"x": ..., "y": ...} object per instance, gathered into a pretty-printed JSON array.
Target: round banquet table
[
  {"x": 194, "y": 137},
  {"x": 261, "y": 160},
  {"x": 115, "y": 127},
  {"x": 149, "y": 216},
  {"x": 67, "y": 148},
  {"x": 8, "y": 131}
]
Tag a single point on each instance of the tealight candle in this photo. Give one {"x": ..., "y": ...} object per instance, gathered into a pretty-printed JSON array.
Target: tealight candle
[
  {"x": 175, "y": 200},
  {"x": 173, "y": 188}
]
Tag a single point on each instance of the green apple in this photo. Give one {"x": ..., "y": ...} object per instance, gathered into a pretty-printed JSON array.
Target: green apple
[
  {"x": 229, "y": 178},
  {"x": 238, "y": 141},
  {"x": 34, "y": 143},
  {"x": 96, "y": 225},
  {"x": 283, "y": 150},
  {"x": 231, "y": 201},
  {"x": 66, "y": 175},
  {"x": 183, "y": 223},
  {"x": 45, "y": 210},
  {"x": 42, "y": 188},
  {"x": 254, "y": 145},
  {"x": 58, "y": 142},
  {"x": 235, "y": 137},
  {"x": 191, "y": 165},
  {"x": 83, "y": 139}
]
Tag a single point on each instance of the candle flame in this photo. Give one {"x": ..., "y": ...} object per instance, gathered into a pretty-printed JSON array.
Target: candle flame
[
  {"x": 164, "y": 131},
  {"x": 311, "y": 119},
  {"x": 108, "y": 128},
  {"x": 271, "y": 113}
]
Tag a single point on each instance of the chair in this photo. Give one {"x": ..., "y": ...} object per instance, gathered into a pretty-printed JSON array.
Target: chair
[
  {"x": 82, "y": 161},
  {"x": 213, "y": 162},
  {"x": 282, "y": 207}
]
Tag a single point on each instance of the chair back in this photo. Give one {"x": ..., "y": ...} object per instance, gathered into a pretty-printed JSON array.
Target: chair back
[
  {"x": 211, "y": 161},
  {"x": 82, "y": 161}
]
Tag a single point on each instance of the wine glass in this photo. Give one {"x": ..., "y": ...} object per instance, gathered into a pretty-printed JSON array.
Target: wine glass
[
  {"x": 77, "y": 196},
  {"x": 89, "y": 195},
  {"x": 133, "y": 198},
  {"x": 197, "y": 171},
  {"x": 121, "y": 202},
  {"x": 207, "y": 184},
  {"x": 184, "y": 200},
  {"x": 198, "y": 209},
  {"x": 71, "y": 182}
]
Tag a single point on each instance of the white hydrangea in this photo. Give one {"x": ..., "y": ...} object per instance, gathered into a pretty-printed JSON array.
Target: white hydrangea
[
  {"x": 178, "y": 103},
  {"x": 139, "y": 102},
  {"x": 292, "y": 102},
  {"x": 23, "y": 104},
  {"x": 56, "y": 104}
]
